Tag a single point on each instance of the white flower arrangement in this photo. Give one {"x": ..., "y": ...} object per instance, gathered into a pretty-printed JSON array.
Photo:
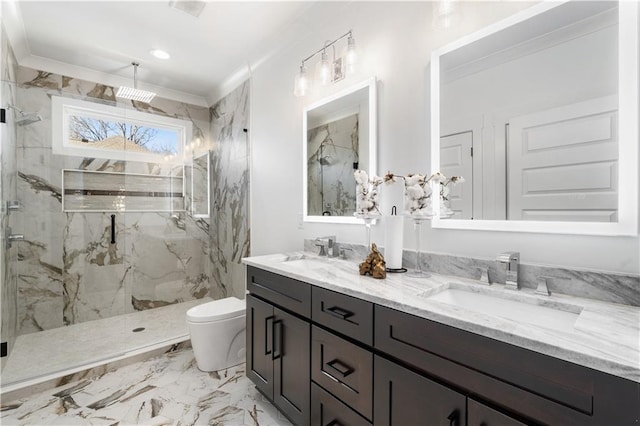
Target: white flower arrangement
[
  {"x": 367, "y": 194},
  {"x": 418, "y": 194},
  {"x": 417, "y": 191}
]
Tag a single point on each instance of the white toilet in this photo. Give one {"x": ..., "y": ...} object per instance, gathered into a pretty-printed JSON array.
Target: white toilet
[{"x": 218, "y": 333}]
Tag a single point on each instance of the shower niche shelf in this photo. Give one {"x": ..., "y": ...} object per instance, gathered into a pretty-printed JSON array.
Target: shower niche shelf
[{"x": 96, "y": 191}]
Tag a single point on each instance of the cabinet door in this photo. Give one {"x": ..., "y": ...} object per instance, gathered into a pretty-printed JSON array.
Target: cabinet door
[
  {"x": 292, "y": 374},
  {"x": 481, "y": 415},
  {"x": 328, "y": 410},
  {"x": 260, "y": 344},
  {"x": 403, "y": 397}
]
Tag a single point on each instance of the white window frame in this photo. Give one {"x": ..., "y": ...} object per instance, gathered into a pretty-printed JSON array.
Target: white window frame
[{"x": 63, "y": 108}]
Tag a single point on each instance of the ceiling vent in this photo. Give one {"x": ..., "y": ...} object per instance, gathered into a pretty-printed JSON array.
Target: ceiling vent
[{"x": 193, "y": 8}]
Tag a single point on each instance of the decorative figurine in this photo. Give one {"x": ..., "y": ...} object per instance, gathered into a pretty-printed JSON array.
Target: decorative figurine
[{"x": 374, "y": 265}]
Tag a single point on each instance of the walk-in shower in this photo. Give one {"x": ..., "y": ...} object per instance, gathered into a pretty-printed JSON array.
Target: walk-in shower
[{"x": 101, "y": 247}]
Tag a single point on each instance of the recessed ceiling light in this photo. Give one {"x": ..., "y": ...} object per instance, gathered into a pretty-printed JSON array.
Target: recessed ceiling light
[{"x": 160, "y": 54}]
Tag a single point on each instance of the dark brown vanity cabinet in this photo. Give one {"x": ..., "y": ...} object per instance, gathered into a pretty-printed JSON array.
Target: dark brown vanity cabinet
[
  {"x": 329, "y": 359},
  {"x": 278, "y": 346}
]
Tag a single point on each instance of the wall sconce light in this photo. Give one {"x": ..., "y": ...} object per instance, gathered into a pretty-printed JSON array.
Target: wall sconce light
[{"x": 329, "y": 70}]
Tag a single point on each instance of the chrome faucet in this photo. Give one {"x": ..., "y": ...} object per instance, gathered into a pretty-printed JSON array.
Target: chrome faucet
[
  {"x": 510, "y": 259},
  {"x": 327, "y": 246}
]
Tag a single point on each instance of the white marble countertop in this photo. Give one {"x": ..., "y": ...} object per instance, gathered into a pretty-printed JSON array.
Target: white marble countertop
[{"x": 605, "y": 336}]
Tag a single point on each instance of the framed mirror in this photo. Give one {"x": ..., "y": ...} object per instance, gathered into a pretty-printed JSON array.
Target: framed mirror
[
  {"x": 200, "y": 187},
  {"x": 338, "y": 137},
  {"x": 539, "y": 114}
]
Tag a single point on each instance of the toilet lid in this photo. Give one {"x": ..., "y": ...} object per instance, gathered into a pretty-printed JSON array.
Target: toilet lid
[{"x": 230, "y": 307}]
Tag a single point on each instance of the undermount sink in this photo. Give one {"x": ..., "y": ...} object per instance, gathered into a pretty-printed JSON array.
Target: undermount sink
[
  {"x": 304, "y": 260},
  {"x": 515, "y": 307}
]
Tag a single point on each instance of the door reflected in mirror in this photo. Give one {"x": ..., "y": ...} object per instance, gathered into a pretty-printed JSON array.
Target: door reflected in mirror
[
  {"x": 539, "y": 114},
  {"x": 339, "y": 139}
]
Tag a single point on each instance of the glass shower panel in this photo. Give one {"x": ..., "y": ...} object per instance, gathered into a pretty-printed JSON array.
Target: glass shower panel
[
  {"x": 69, "y": 275},
  {"x": 8, "y": 211},
  {"x": 167, "y": 249}
]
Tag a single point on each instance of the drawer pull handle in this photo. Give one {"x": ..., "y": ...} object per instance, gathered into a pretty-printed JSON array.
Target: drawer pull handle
[
  {"x": 337, "y": 311},
  {"x": 453, "y": 418},
  {"x": 340, "y": 367},
  {"x": 277, "y": 339},
  {"x": 334, "y": 423}
]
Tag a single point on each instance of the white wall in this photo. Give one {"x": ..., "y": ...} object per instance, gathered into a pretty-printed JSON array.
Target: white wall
[{"x": 395, "y": 41}]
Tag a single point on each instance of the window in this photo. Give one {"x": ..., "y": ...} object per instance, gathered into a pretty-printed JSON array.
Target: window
[{"x": 90, "y": 129}]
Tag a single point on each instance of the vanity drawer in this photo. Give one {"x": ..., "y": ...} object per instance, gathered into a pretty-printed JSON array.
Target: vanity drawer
[
  {"x": 327, "y": 410},
  {"x": 343, "y": 314},
  {"x": 541, "y": 387},
  {"x": 283, "y": 291},
  {"x": 343, "y": 369}
]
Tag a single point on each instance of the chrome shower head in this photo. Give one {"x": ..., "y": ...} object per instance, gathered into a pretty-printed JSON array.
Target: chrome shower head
[
  {"x": 28, "y": 118},
  {"x": 25, "y": 118}
]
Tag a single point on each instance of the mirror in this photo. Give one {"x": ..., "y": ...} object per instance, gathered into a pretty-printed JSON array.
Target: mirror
[
  {"x": 200, "y": 186},
  {"x": 339, "y": 136},
  {"x": 539, "y": 114}
]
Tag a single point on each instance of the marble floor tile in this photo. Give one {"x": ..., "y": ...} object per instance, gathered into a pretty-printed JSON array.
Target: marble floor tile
[{"x": 165, "y": 390}]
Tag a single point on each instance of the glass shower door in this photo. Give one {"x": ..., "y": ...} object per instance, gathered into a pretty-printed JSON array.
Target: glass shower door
[{"x": 69, "y": 275}]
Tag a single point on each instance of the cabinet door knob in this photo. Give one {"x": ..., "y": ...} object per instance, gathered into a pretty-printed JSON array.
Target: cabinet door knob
[{"x": 453, "y": 418}]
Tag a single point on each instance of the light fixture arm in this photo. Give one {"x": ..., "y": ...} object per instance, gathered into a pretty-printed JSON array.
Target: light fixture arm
[{"x": 326, "y": 45}]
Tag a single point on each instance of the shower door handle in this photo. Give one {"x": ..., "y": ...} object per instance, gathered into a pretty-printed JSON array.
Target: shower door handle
[{"x": 113, "y": 229}]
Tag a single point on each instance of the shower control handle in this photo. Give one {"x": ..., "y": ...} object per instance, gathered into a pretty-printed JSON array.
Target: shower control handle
[
  {"x": 13, "y": 206},
  {"x": 11, "y": 238}
]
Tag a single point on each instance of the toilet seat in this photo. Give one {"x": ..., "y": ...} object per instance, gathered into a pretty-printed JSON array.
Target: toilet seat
[{"x": 230, "y": 307}]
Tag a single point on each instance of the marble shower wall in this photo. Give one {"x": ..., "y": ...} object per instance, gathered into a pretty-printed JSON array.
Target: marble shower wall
[
  {"x": 8, "y": 139},
  {"x": 68, "y": 272},
  {"x": 230, "y": 193}
]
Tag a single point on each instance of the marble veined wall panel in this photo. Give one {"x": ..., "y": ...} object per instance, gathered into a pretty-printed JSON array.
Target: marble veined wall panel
[{"x": 230, "y": 193}]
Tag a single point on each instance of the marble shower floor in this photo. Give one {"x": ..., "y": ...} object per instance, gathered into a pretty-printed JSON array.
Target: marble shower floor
[
  {"x": 65, "y": 350},
  {"x": 165, "y": 390}
]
